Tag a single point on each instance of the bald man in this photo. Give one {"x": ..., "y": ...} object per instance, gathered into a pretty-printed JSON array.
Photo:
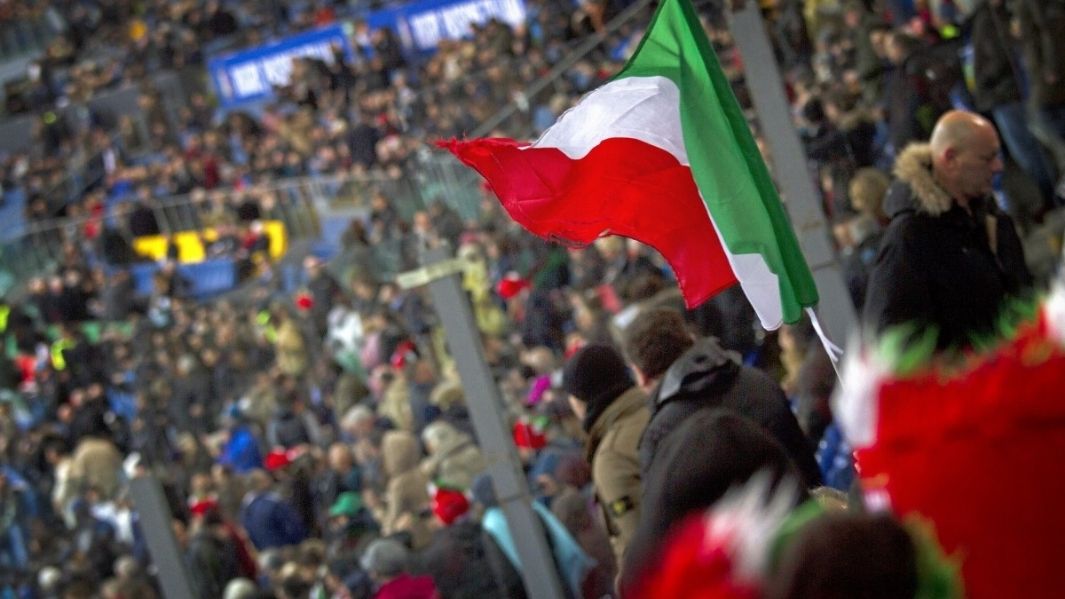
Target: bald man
[{"x": 950, "y": 257}]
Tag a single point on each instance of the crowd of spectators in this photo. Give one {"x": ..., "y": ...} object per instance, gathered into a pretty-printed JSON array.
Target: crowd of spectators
[{"x": 318, "y": 444}]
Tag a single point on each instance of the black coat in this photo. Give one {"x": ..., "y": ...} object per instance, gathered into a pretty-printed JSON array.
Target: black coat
[
  {"x": 1042, "y": 23},
  {"x": 936, "y": 266},
  {"x": 994, "y": 73},
  {"x": 707, "y": 377}
]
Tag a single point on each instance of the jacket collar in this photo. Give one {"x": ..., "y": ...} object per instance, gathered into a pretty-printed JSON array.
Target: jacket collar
[
  {"x": 914, "y": 167},
  {"x": 624, "y": 406},
  {"x": 706, "y": 368}
]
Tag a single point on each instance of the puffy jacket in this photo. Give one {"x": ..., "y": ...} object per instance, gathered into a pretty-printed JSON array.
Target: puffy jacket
[
  {"x": 938, "y": 265},
  {"x": 707, "y": 376}
]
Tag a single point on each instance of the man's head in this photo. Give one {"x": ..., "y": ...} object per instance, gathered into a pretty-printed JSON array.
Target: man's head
[
  {"x": 385, "y": 559},
  {"x": 341, "y": 459},
  {"x": 594, "y": 377},
  {"x": 965, "y": 155},
  {"x": 654, "y": 340}
]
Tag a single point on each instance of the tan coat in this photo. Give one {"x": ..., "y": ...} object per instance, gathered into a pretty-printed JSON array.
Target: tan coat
[
  {"x": 455, "y": 460},
  {"x": 291, "y": 349},
  {"x": 407, "y": 494},
  {"x": 612, "y": 449},
  {"x": 96, "y": 464}
]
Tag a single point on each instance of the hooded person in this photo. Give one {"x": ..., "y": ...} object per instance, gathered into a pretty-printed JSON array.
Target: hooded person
[
  {"x": 689, "y": 376},
  {"x": 614, "y": 414},
  {"x": 711, "y": 452},
  {"x": 454, "y": 459},
  {"x": 407, "y": 495}
]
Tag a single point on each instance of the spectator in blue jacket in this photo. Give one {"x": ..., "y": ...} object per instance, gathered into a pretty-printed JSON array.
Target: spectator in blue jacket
[{"x": 268, "y": 519}]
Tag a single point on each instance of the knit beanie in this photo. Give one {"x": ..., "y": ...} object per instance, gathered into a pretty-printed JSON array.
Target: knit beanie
[{"x": 596, "y": 375}]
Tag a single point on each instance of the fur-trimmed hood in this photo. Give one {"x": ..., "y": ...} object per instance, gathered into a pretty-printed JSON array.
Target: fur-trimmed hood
[{"x": 913, "y": 167}]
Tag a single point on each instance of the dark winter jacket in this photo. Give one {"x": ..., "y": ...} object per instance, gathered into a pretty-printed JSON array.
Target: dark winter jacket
[
  {"x": 271, "y": 522},
  {"x": 938, "y": 265},
  {"x": 707, "y": 376},
  {"x": 994, "y": 72},
  {"x": 457, "y": 560},
  {"x": 1042, "y": 23}
]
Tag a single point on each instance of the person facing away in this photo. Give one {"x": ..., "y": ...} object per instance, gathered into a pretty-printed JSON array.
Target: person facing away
[
  {"x": 614, "y": 413},
  {"x": 949, "y": 258},
  {"x": 685, "y": 376}
]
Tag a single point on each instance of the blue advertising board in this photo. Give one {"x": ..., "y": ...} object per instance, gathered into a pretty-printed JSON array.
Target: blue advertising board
[
  {"x": 251, "y": 75},
  {"x": 422, "y": 25}
]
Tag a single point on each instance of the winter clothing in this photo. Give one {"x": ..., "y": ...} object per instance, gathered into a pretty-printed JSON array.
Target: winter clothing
[
  {"x": 994, "y": 72},
  {"x": 454, "y": 459},
  {"x": 574, "y": 510},
  {"x": 291, "y": 349},
  {"x": 212, "y": 563},
  {"x": 271, "y": 522},
  {"x": 406, "y": 586},
  {"x": 596, "y": 375},
  {"x": 241, "y": 451},
  {"x": 707, "y": 376},
  {"x": 1042, "y": 22},
  {"x": 457, "y": 561},
  {"x": 573, "y": 564},
  {"x": 938, "y": 265},
  {"x": 612, "y": 450},
  {"x": 97, "y": 464},
  {"x": 712, "y": 451},
  {"x": 407, "y": 494}
]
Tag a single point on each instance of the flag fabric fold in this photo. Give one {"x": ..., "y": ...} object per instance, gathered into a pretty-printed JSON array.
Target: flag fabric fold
[{"x": 662, "y": 154}]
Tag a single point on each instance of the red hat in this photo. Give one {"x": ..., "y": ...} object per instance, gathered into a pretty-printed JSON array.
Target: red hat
[
  {"x": 304, "y": 301},
  {"x": 449, "y": 505},
  {"x": 528, "y": 436},
  {"x": 277, "y": 459},
  {"x": 511, "y": 285}
]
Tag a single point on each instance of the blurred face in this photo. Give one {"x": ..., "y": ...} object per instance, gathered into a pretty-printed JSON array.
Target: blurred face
[{"x": 970, "y": 169}]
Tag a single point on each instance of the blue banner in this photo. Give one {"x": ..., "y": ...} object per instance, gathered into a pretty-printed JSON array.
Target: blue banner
[
  {"x": 252, "y": 74},
  {"x": 422, "y": 25}
]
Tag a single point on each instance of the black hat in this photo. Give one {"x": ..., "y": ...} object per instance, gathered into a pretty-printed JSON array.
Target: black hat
[{"x": 596, "y": 375}]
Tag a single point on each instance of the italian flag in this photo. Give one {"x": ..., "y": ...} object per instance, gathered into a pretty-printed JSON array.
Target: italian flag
[{"x": 661, "y": 154}]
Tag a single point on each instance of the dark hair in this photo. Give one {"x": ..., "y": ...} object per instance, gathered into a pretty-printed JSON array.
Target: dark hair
[
  {"x": 655, "y": 340},
  {"x": 847, "y": 555}
]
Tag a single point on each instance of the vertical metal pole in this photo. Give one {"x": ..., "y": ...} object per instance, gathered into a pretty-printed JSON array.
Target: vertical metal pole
[
  {"x": 155, "y": 523},
  {"x": 453, "y": 306},
  {"x": 789, "y": 162}
]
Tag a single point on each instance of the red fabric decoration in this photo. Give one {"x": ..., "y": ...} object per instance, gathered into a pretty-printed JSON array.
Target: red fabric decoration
[
  {"x": 527, "y": 436},
  {"x": 692, "y": 566},
  {"x": 978, "y": 452},
  {"x": 449, "y": 505}
]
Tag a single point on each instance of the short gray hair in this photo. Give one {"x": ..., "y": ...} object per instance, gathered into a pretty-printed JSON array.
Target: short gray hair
[{"x": 385, "y": 558}]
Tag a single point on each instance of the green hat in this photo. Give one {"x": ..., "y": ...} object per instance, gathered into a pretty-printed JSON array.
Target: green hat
[{"x": 348, "y": 504}]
